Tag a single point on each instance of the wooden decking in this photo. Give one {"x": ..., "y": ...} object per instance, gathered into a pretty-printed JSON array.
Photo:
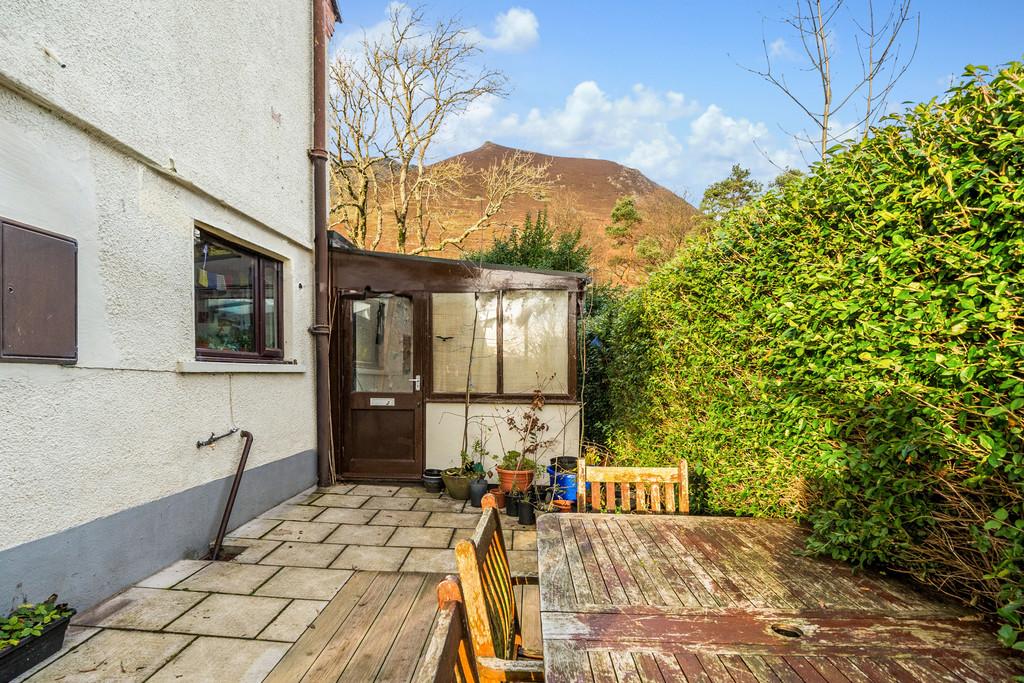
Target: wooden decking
[
  {"x": 670, "y": 598},
  {"x": 376, "y": 629}
]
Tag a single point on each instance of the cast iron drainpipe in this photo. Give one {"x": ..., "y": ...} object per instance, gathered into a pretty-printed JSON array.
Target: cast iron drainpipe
[{"x": 231, "y": 496}]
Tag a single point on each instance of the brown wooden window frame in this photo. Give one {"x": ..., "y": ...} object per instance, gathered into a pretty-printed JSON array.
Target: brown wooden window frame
[
  {"x": 262, "y": 353},
  {"x": 499, "y": 395}
]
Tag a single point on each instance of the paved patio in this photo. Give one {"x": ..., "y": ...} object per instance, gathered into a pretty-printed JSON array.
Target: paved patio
[{"x": 234, "y": 621}]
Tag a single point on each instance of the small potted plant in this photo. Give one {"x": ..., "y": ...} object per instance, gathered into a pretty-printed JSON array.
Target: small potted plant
[
  {"x": 457, "y": 479},
  {"x": 517, "y": 467},
  {"x": 30, "y": 634}
]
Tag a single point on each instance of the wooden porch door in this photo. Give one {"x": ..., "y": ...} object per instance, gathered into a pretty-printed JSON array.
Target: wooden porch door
[{"x": 382, "y": 392}]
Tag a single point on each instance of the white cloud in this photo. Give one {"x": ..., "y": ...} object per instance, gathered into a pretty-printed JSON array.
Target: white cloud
[
  {"x": 779, "y": 49},
  {"x": 514, "y": 31}
]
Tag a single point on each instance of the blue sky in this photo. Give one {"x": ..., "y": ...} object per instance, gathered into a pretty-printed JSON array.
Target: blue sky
[{"x": 660, "y": 86}]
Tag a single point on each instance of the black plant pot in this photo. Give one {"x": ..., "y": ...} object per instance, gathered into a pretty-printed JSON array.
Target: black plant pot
[
  {"x": 512, "y": 503},
  {"x": 432, "y": 481},
  {"x": 527, "y": 515},
  {"x": 477, "y": 490},
  {"x": 32, "y": 650}
]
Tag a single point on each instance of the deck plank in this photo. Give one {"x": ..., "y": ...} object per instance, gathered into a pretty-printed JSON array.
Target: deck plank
[{"x": 403, "y": 659}]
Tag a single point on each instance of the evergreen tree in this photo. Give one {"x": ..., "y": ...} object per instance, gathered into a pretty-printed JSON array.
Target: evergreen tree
[
  {"x": 739, "y": 189},
  {"x": 537, "y": 245}
]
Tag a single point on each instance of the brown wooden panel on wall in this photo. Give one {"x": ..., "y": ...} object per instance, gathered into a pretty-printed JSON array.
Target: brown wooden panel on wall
[{"x": 39, "y": 301}]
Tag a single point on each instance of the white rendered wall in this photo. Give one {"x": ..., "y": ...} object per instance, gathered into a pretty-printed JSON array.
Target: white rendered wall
[
  {"x": 487, "y": 422},
  {"x": 224, "y": 90}
]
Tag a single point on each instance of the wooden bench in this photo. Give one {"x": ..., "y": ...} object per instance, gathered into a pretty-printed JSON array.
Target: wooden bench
[
  {"x": 656, "y": 489},
  {"x": 449, "y": 656},
  {"x": 490, "y": 606}
]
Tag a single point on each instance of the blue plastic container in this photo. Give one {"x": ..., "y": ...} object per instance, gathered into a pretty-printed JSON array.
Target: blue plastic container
[{"x": 564, "y": 484}]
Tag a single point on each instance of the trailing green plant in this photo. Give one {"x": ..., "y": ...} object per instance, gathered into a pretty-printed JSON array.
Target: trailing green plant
[
  {"x": 29, "y": 620},
  {"x": 515, "y": 460},
  {"x": 849, "y": 349}
]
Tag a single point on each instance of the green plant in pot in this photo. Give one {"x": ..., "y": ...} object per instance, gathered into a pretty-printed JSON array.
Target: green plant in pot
[
  {"x": 457, "y": 479},
  {"x": 30, "y": 634},
  {"x": 517, "y": 467}
]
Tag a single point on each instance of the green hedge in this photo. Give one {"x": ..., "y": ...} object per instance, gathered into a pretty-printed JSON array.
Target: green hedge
[{"x": 850, "y": 351}]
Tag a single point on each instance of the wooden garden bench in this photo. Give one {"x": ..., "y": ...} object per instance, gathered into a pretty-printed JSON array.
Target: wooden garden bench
[
  {"x": 449, "y": 655},
  {"x": 656, "y": 489},
  {"x": 489, "y": 602}
]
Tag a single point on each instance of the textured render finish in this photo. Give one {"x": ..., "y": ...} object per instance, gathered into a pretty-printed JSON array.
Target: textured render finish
[
  {"x": 220, "y": 91},
  {"x": 219, "y": 94},
  {"x": 487, "y": 422},
  {"x": 89, "y": 562}
]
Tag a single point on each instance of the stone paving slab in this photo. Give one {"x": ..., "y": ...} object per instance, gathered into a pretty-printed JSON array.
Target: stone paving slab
[
  {"x": 147, "y": 609},
  {"x": 371, "y": 558},
  {"x": 311, "y": 532},
  {"x": 375, "y": 490},
  {"x": 400, "y": 518},
  {"x": 305, "y": 583},
  {"x": 415, "y": 537},
  {"x": 415, "y": 492},
  {"x": 457, "y": 520},
  {"x": 361, "y": 535},
  {"x": 114, "y": 656},
  {"x": 223, "y": 660},
  {"x": 240, "y": 616},
  {"x": 293, "y": 620},
  {"x": 439, "y": 505},
  {"x": 228, "y": 577},
  {"x": 389, "y": 503},
  {"x": 346, "y": 516},
  {"x": 332, "y": 500},
  {"x": 255, "y": 549},
  {"x": 168, "y": 576},
  {"x": 432, "y": 560},
  {"x": 254, "y": 528},
  {"x": 295, "y": 554},
  {"x": 298, "y": 513}
]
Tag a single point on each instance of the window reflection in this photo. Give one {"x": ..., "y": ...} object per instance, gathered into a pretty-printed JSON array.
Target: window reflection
[{"x": 382, "y": 344}]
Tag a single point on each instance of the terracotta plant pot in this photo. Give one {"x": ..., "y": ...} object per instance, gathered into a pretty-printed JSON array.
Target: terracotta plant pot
[
  {"x": 457, "y": 485},
  {"x": 521, "y": 479},
  {"x": 499, "y": 496}
]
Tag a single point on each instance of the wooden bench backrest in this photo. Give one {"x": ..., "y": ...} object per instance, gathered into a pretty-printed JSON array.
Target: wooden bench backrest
[
  {"x": 487, "y": 588},
  {"x": 657, "y": 489},
  {"x": 449, "y": 656}
]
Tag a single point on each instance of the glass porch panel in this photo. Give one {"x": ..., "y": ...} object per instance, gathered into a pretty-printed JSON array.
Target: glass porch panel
[
  {"x": 453, "y": 341},
  {"x": 535, "y": 341},
  {"x": 382, "y": 340}
]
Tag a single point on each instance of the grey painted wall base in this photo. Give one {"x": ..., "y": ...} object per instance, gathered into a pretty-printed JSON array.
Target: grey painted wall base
[{"x": 88, "y": 563}]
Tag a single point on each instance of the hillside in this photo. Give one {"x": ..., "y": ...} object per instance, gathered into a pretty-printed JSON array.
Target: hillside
[{"x": 582, "y": 195}]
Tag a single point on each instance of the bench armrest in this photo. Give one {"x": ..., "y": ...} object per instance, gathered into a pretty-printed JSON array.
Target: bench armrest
[{"x": 496, "y": 669}]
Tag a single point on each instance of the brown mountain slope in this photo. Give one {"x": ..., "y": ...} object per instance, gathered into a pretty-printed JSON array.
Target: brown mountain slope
[{"x": 582, "y": 195}]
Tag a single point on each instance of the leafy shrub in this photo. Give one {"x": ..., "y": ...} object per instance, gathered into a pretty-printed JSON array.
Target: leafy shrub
[
  {"x": 30, "y": 620},
  {"x": 849, "y": 349}
]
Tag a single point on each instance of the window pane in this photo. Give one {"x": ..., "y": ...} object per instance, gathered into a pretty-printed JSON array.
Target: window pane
[
  {"x": 383, "y": 329},
  {"x": 225, "y": 316},
  {"x": 535, "y": 345},
  {"x": 271, "y": 302},
  {"x": 453, "y": 323}
]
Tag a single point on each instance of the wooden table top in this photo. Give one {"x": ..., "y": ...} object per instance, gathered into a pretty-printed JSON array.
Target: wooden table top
[{"x": 683, "y": 598}]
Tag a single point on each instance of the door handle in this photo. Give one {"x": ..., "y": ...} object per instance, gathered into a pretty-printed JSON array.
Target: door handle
[{"x": 415, "y": 383}]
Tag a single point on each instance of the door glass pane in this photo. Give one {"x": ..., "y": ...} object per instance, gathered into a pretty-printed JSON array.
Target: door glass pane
[
  {"x": 535, "y": 343},
  {"x": 382, "y": 328},
  {"x": 271, "y": 301},
  {"x": 224, "y": 297},
  {"x": 454, "y": 343}
]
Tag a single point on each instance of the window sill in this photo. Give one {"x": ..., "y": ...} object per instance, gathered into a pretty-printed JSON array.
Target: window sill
[{"x": 210, "y": 367}]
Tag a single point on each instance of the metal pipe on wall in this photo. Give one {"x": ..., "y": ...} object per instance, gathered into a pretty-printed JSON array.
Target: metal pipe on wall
[
  {"x": 232, "y": 495},
  {"x": 321, "y": 329}
]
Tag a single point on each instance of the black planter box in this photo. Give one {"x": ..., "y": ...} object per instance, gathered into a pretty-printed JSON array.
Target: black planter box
[{"x": 16, "y": 660}]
